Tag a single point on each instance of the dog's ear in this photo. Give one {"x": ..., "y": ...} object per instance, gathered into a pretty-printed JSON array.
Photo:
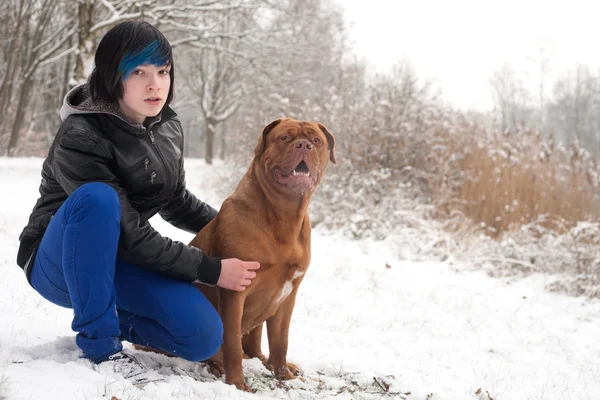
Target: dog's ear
[
  {"x": 331, "y": 142},
  {"x": 262, "y": 141}
]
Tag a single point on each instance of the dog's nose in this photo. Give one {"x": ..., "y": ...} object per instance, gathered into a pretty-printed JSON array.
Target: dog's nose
[{"x": 303, "y": 145}]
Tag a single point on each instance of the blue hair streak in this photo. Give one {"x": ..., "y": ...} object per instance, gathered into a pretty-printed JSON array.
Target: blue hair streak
[{"x": 150, "y": 55}]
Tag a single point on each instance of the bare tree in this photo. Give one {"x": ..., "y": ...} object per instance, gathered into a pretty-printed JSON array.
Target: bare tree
[
  {"x": 280, "y": 58},
  {"x": 542, "y": 60},
  {"x": 574, "y": 110},
  {"x": 301, "y": 58},
  {"x": 13, "y": 15},
  {"x": 219, "y": 92},
  {"x": 219, "y": 75},
  {"x": 40, "y": 41},
  {"x": 510, "y": 99}
]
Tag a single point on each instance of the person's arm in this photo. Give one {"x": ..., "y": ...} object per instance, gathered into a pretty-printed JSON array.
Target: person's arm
[
  {"x": 185, "y": 211},
  {"x": 77, "y": 159}
]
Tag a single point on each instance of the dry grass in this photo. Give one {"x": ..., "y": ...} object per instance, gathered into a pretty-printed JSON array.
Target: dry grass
[{"x": 502, "y": 182}]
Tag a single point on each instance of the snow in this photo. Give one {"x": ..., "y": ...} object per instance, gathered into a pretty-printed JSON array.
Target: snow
[{"x": 364, "y": 313}]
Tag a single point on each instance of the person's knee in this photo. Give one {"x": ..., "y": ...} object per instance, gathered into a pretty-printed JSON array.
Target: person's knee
[
  {"x": 202, "y": 336},
  {"x": 99, "y": 197}
]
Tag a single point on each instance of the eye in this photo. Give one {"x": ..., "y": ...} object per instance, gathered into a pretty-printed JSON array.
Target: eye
[
  {"x": 284, "y": 138},
  {"x": 138, "y": 72},
  {"x": 164, "y": 72},
  {"x": 316, "y": 140}
]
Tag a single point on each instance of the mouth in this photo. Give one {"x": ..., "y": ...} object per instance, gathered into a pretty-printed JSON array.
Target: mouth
[
  {"x": 153, "y": 101},
  {"x": 300, "y": 178},
  {"x": 301, "y": 169}
]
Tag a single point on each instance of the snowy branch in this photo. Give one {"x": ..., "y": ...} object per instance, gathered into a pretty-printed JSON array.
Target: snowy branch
[
  {"x": 51, "y": 50},
  {"x": 58, "y": 56},
  {"x": 205, "y": 8},
  {"x": 116, "y": 19},
  {"x": 43, "y": 58},
  {"x": 53, "y": 35},
  {"x": 107, "y": 4}
]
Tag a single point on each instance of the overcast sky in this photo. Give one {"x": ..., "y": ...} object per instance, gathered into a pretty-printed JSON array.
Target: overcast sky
[{"x": 461, "y": 43}]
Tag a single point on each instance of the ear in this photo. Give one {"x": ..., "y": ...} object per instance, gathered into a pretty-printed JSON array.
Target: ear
[
  {"x": 260, "y": 146},
  {"x": 331, "y": 142}
]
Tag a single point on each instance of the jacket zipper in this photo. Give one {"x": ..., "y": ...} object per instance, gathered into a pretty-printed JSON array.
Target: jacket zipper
[
  {"x": 160, "y": 156},
  {"x": 151, "y": 137}
]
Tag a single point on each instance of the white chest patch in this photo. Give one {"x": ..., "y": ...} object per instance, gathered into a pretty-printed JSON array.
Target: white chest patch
[{"x": 288, "y": 286}]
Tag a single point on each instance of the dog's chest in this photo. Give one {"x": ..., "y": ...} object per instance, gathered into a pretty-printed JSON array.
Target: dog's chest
[
  {"x": 291, "y": 277},
  {"x": 285, "y": 276},
  {"x": 275, "y": 287}
]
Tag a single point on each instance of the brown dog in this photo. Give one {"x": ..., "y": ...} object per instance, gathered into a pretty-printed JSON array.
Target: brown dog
[{"x": 266, "y": 220}]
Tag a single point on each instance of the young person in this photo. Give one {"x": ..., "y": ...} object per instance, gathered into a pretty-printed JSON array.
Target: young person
[{"x": 116, "y": 161}]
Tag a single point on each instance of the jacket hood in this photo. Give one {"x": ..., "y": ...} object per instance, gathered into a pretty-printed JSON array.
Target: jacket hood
[{"x": 79, "y": 101}]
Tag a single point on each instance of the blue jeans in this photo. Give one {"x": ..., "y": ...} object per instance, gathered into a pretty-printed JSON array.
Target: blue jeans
[{"x": 76, "y": 266}]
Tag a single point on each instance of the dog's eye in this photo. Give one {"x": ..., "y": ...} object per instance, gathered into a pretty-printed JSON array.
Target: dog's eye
[
  {"x": 284, "y": 138},
  {"x": 316, "y": 140}
]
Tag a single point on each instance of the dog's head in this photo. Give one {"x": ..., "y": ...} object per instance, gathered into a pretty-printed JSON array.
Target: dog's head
[{"x": 295, "y": 154}]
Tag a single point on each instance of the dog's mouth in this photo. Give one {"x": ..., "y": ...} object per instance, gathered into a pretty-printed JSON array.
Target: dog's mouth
[
  {"x": 301, "y": 169},
  {"x": 299, "y": 178}
]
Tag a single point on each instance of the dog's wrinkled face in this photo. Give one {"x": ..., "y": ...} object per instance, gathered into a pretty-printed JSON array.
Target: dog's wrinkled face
[{"x": 295, "y": 154}]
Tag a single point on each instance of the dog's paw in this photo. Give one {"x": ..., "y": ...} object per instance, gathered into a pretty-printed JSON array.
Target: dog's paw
[
  {"x": 294, "y": 369},
  {"x": 239, "y": 383},
  {"x": 285, "y": 372},
  {"x": 216, "y": 368}
]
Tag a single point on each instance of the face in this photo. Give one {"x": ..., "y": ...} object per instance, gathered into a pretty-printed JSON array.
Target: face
[
  {"x": 295, "y": 154},
  {"x": 145, "y": 92}
]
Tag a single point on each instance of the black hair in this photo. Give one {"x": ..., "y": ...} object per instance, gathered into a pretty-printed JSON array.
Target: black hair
[{"x": 124, "y": 48}]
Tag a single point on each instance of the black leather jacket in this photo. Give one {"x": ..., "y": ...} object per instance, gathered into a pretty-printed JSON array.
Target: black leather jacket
[{"x": 96, "y": 143}]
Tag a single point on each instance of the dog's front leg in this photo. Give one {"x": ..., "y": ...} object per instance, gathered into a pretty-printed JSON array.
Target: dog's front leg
[
  {"x": 232, "y": 307},
  {"x": 251, "y": 343},
  {"x": 278, "y": 327}
]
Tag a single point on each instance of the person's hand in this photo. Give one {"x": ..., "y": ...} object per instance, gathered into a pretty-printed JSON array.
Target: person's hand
[{"x": 237, "y": 274}]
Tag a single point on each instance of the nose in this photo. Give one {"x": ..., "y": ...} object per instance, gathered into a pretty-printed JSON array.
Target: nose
[
  {"x": 153, "y": 83},
  {"x": 303, "y": 145}
]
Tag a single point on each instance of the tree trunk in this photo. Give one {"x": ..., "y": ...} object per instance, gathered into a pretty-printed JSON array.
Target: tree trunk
[
  {"x": 6, "y": 87},
  {"x": 209, "y": 141},
  {"x": 67, "y": 72},
  {"x": 20, "y": 115},
  {"x": 222, "y": 151},
  {"x": 85, "y": 45}
]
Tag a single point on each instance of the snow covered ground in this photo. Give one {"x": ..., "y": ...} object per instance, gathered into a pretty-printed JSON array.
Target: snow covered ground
[{"x": 365, "y": 318}]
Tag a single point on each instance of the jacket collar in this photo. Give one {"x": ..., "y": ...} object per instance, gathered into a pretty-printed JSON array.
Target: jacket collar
[{"x": 79, "y": 101}]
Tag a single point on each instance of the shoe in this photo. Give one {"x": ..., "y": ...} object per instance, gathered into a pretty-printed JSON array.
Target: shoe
[{"x": 130, "y": 366}]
